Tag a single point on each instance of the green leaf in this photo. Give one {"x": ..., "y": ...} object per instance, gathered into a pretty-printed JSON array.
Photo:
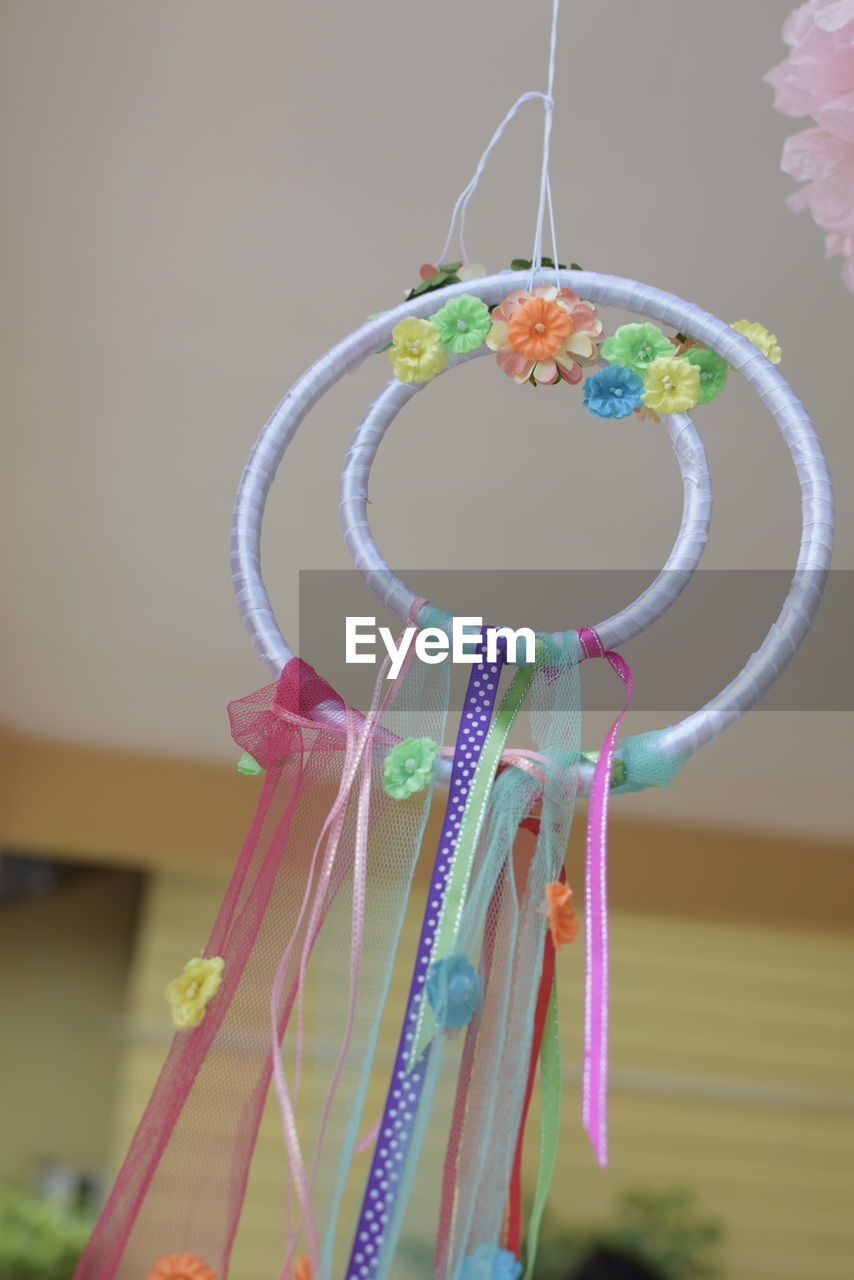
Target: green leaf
[{"x": 525, "y": 264}]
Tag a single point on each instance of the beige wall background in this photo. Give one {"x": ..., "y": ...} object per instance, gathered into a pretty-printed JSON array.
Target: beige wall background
[
  {"x": 201, "y": 197},
  {"x": 64, "y": 962}
]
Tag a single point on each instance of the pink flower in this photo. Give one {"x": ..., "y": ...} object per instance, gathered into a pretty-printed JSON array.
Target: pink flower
[
  {"x": 576, "y": 341},
  {"x": 817, "y": 79}
]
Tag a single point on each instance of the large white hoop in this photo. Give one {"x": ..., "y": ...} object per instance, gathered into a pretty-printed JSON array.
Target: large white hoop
[{"x": 798, "y": 609}]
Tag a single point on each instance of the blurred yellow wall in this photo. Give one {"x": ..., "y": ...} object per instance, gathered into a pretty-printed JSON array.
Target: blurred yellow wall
[
  {"x": 63, "y": 973},
  {"x": 733, "y": 1022},
  {"x": 732, "y": 1051}
]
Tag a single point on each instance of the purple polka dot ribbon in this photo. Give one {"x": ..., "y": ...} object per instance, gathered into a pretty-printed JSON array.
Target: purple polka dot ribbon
[{"x": 398, "y": 1120}]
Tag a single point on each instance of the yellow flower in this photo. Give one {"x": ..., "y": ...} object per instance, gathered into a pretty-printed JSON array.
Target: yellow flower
[
  {"x": 189, "y": 995},
  {"x": 416, "y": 353},
  {"x": 672, "y": 385},
  {"x": 761, "y": 339}
]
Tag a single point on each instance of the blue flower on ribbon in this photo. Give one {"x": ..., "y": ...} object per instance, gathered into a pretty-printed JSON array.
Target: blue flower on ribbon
[
  {"x": 488, "y": 1262},
  {"x": 613, "y": 392},
  {"x": 454, "y": 990}
]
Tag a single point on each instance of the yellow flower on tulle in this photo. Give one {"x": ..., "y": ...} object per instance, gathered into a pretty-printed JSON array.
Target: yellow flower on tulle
[
  {"x": 761, "y": 339},
  {"x": 672, "y": 385},
  {"x": 416, "y": 353},
  {"x": 189, "y": 995}
]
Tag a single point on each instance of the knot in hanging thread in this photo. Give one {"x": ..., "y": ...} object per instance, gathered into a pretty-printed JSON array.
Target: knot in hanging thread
[{"x": 545, "y": 196}]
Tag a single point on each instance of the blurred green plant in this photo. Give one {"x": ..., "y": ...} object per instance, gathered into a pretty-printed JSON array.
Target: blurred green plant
[
  {"x": 39, "y": 1240},
  {"x": 666, "y": 1230}
]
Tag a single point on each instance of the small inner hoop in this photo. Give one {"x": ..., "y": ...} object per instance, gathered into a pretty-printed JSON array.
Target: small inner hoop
[
  {"x": 616, "y": 630},
  {"x": 786, "y": 633}
]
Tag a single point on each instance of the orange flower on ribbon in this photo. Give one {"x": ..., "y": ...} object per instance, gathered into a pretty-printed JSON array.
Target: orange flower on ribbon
[
  {"x": 180, "y": 1266},
  {"x": 539, "y": 328},
  {"x": 545, "y": 335},
  {"x": 560, "y": 913},
  {"x": 302, "y": 1267}
]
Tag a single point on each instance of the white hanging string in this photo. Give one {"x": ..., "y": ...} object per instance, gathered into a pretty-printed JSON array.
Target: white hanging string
[
  {"x": 545, "y": 181},
  {"x": 545, "y": 200},
  {"x": 467, "y": 192}
]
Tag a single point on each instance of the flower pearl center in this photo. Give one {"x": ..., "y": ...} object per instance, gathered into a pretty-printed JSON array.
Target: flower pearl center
[
  {"x": 644, "y": 353},
  {"x": 539, "y": 327},
  {"x": 411, "y": 765},
  {"x": 462, "y": 326},
  {"x": 193, "y": 990},
  {"x": 414, "y": 346},
  {"x": 667, "y": 382},
  {"x": 618, "y": 391}
]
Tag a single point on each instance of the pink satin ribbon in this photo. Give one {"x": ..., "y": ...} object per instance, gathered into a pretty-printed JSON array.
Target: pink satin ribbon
[
  {"x": 357, "y": 747},
  {"x": 594, "y": 1091}
]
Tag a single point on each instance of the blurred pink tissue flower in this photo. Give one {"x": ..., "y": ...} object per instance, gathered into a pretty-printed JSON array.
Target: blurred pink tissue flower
[{"x": 817, "y": 79}]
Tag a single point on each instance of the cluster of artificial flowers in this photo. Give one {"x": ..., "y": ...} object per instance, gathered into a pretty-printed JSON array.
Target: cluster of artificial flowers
[
  {"x": 542, "y": 335},
  {"x": 650, "y": 374},
  {"x": 547, "y": 335}
]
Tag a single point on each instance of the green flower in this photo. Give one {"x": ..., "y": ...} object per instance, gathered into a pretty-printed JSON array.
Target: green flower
[
  {"x": 408, "y": 767},
  {"x": 248, "y": 764},
  {"x": 636, "y": 346},
  {"x": 713, "y": 372},
  {"x": 463, "y": 324}
]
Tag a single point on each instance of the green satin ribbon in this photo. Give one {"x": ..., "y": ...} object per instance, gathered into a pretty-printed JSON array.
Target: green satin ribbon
[
  {"x": 551, "y": 1085},
  {"x": 471, "y": 827}
]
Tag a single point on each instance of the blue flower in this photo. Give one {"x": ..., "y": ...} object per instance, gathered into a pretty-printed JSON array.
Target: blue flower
[
  {"x": 454, "y": 990},
  {"x": 613, "y": 392},
  {"x": 488, "y": 1262}
]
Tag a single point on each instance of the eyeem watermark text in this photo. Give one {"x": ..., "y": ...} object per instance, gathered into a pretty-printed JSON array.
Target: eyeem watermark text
[{"x": 433, "y": 645}]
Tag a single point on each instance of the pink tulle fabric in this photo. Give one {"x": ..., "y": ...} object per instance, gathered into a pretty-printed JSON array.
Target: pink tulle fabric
[
  {"x": 182, "y": 1185},
  {"x": 817, "y": 79}
]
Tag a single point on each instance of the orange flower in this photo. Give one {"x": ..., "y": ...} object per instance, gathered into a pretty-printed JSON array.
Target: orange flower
[
  {"x": 180, "y": 1266},
  {"x": 560, "y": 913},
  {"x": 302, "y": 1267},
  {"x": 539, "y": 328}
]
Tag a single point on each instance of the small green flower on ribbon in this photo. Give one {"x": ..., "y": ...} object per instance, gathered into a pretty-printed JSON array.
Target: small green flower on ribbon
[
  {"x": 463, "y": 324},
  {"x": 636, "y": 346},
  {"x": 408, "y": 767},
  {"x": 248, "y": 764},
  {"x": 618, "y": 769},
  {"x": 713, "y": 372}
]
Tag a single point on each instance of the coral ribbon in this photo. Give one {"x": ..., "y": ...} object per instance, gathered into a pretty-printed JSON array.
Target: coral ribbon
[
  {"x": 594, "y": 1090},
  {"x": 358, "y": 745},
  {"x": 513, "y": 1221}
]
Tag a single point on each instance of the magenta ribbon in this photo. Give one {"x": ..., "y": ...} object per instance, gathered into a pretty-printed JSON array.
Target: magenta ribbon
[{"x": 594, "y": 1089}]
